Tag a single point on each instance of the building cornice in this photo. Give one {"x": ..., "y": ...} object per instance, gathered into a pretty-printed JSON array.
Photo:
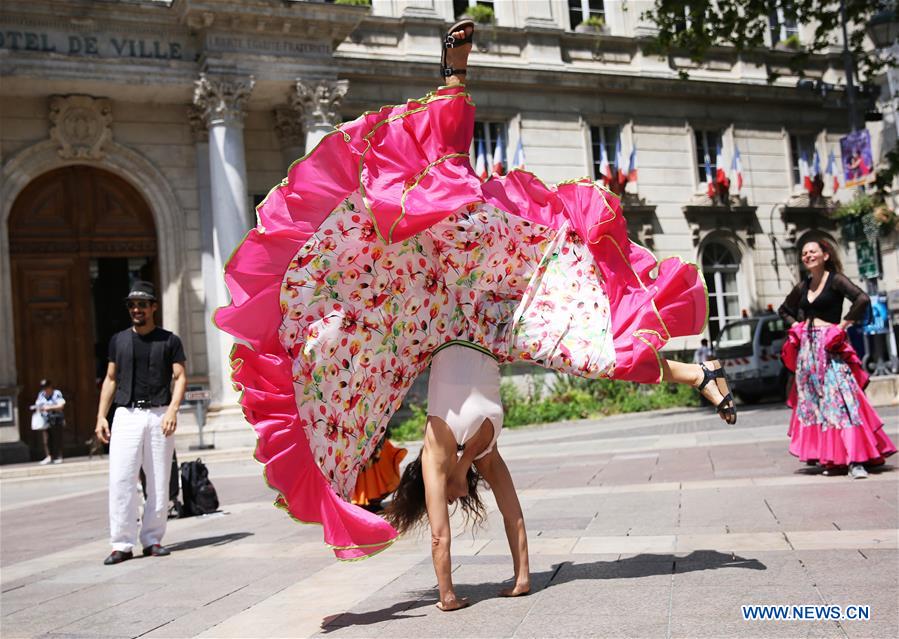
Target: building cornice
[{"x": 277, "y": 42}]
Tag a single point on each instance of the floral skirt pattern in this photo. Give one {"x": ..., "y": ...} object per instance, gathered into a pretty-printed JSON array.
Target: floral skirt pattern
[
  {"x": 833, "y": 422},
  {"x": 383, "y": 244}
]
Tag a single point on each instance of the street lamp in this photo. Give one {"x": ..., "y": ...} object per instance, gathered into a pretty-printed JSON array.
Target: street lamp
[{"x": 883, "y": 28}]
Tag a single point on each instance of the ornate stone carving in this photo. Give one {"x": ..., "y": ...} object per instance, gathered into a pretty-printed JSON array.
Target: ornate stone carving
[
  {"x": 198, "y": 128},
  {"x": 222, "y": 99},
  {"x": 695, "y": 233},
  {"x": 289, "y": 127},
  {"x": 80, "y": 125},
  {"x": 318, "y": 103}
]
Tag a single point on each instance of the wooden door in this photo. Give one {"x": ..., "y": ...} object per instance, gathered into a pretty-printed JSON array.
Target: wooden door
[
  {"x": 60, "y": 223},
  {"x": 48, "y": 346}
]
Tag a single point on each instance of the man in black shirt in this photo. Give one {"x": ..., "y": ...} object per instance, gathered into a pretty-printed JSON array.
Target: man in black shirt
[{"x": 144, "y": 361}]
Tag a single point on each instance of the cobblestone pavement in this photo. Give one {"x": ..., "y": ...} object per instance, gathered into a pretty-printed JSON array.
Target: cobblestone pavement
[{"x": 652, "y": 525}]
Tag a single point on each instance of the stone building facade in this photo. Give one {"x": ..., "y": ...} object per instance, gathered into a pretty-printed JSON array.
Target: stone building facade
[{"x": 136, "y": 136}]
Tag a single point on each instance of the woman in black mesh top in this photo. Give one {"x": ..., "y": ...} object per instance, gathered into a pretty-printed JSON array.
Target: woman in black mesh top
[{"x": 833, "y": 423}]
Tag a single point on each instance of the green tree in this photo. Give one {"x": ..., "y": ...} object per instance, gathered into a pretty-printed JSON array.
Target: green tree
[{"x": 694, "y": 27}]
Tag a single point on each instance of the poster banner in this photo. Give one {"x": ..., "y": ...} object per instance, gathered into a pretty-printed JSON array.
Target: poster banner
[{"x": 858, "y": 164}]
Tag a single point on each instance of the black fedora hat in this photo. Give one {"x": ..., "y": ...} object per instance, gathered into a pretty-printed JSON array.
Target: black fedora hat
[{"x": 141, "y": 290}]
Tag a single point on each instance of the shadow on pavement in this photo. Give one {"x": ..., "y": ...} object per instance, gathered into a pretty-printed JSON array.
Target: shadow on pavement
[
  {"x": 220, "y": 540},
  {"x": 636, "y": 567},
  {"x": 646, "y": 565},
  {"x": 346, "y": 619}
]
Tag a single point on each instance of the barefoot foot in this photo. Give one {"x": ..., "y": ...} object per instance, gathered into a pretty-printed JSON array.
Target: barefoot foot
[
  {"x": 520, "y": 589},
  {"x": 453, "y": 603}
]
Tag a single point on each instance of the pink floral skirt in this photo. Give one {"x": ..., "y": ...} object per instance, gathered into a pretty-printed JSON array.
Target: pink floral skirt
[
  {"x": 382, "y": 245},
  {"x": 833, "y": 422}
]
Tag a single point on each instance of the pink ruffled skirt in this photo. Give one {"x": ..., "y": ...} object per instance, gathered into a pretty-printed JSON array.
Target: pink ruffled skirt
[
  {"x": 381, "y": 245},
  {"x": 833, "y": 422}
]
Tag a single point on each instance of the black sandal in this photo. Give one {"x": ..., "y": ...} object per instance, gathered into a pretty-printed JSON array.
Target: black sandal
[
  {"x": 451, "y": 42},
  {"x": 726, "y": 407}
]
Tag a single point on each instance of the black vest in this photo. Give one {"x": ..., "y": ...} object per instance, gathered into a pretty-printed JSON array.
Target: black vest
[{"x": 160, "y": 381}]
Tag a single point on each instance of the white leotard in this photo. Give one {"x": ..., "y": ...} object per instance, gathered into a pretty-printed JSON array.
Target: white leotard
[{"x": 463, "y": 391}]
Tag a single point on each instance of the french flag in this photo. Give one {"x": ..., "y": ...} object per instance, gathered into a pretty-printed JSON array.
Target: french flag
[
  {"x": 518, "y": 160},
  {"x": 736, "y": 170},
  {"x": 832, "y": 171},
  {"x": 710, "y": 183},
  {"x": 605, "y": 171},
  {"x": 804, "y": 177},
  {"x": 498, "y": 156},
  {"x": 632, "y": 165},
  {"x": 619, "y": 159},
  {"x": 720, "y": 172},
  {"x": 480, "y": 163},
  {"x": 817, "y": 164}
]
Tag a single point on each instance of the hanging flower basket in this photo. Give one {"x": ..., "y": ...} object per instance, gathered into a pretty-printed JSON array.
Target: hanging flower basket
[{"x": 865, "y": 217}]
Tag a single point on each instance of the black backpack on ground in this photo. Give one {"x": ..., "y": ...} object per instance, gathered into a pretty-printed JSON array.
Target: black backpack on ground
[{"x": 199, "y": 494}]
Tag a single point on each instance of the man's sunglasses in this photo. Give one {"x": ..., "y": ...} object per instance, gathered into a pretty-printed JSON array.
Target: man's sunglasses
[{"x": 130, "y": 304}]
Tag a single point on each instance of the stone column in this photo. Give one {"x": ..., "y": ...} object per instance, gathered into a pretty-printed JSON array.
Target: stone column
[
  {"x": 317, "y": 103},
  {"x": 211, "y": 275},
  {"x": 291, "y": 135},
  {"x": 219, "y": 103}
]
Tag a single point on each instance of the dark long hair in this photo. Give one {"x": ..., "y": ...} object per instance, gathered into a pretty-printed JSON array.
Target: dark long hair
[
  {"x": 408, "y": 508},
  {"x": 833, "y": 264}
]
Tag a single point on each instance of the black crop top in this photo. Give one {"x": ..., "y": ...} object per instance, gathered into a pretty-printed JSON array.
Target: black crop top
[{"x": 829, "y": 303}]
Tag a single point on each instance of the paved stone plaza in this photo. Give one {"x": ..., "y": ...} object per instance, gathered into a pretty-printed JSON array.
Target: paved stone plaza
[{"x": 654, "y": 525}]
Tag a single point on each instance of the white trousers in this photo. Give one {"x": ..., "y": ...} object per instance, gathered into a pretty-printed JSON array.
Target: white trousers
[{"x": 137, "y": 441}]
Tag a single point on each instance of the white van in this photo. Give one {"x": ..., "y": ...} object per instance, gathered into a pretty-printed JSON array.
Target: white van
[{"x": 750, "y": 349}]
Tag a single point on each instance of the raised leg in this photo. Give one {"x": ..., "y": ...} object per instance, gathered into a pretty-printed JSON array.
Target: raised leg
[{"x": 716, "y": 390}]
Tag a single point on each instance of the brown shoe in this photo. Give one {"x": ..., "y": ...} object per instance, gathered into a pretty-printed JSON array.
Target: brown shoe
[
  {"x": 117, "y": 557},
  {"x": 157, "y": 550}
]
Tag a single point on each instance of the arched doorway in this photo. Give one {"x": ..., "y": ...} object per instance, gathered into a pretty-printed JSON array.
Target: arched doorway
[{"x": 78, "y": 236}]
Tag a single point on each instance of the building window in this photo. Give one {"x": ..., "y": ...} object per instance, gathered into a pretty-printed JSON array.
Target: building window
[
  {"x": 720, "y": 267},
  {"x": 707, "y": 145},
  {"x": 487, "y": 136},
  {"x": 461, "y": 6},
  {"x": 783, "y": 27},
  {"x": 685, "y": 20},
  {"x": 802, "y": 150},
  {"x": 581, "y": 10},
  {"x": 604, "y": 137}
]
